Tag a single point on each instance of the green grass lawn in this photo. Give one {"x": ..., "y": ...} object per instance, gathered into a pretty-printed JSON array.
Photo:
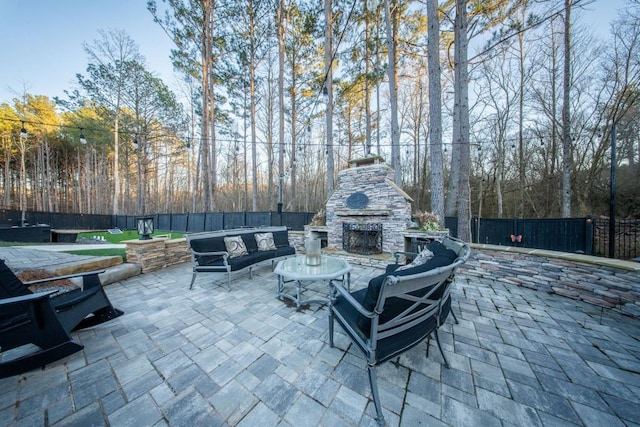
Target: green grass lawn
[
  {"x": 108, "y": 237},
  {"x": 114, "y": 238},
  {"x": 126, "y": 235}
]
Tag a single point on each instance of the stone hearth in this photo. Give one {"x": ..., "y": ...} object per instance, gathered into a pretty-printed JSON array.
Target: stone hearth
[{"x": 366, "y": 194}]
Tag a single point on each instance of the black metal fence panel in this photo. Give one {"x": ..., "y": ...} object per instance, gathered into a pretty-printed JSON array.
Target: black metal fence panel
[
  {"x": 257, "y": 219},
  {"x": 214, "y": 221},
  {"x": 234, "y": 220},
  {"x": 627, "y": 238},
  {"x": 195, "y": 223},
  {"x": 582, "y": 235},
  {"x": 451, "y": 222},
  {"x": 556, "y": 234},
  {"x": 294, "y": 220}
]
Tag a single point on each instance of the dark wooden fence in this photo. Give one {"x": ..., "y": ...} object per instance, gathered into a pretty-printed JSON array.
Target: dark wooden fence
[{"x": 578, "y": 235}]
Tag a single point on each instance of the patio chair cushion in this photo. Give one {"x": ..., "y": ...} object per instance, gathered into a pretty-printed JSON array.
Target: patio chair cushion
[
  {"x": 389, "y": 347},
  {"x": 441, "y": 257}
]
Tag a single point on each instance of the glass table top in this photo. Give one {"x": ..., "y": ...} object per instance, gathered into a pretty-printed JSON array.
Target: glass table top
[{"x": 296, "y": 268}]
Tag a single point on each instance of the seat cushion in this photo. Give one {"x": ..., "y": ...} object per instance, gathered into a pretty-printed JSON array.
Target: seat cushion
[
  {"x": 389, "y": 347},
  {"x": 441, "y": 257},
  {"x": 285, "y": 250},
  {"x": 239, "y": 263}
]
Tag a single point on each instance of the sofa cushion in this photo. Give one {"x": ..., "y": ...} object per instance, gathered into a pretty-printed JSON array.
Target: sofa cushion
[
  {"x": 441, "y": 257},
  {"x": 253, "y": 258},
  {"x": 281, "y": 238},
  {"x": 285, "y": 250},
  {"x": 208, "y": 244},
  {"x": 235, "y": 246},
  {"x": 265, "y": 241},
  {"x": 249, "y": 242}
]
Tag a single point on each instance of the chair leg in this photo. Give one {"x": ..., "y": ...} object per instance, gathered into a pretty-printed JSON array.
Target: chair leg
[
  {"x": 193, "y": 279},
  {"x": 373, "y": 382},
  {"x": 446, "y": 362},
  {"x": 330, "y": 328},
  {"x": 228, "y": 281},
  {"x": 455, "y": 319}
]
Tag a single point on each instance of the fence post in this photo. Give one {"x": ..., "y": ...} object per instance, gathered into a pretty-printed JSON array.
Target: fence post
[{"x": 588, "y": 236}]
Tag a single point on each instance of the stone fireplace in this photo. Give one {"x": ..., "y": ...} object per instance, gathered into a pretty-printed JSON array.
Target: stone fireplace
[{"x": 368, "y": 209}]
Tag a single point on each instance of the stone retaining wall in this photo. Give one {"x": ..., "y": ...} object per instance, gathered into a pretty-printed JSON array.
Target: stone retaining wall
[
  {"x": 616, "y": 288},
  {"x": 154, "y": 254}
]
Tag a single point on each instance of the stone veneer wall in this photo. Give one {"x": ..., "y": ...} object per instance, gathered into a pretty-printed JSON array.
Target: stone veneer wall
[
  {"x": 388, "y": 205},
  {"x": 154, "y": 254},
  {"x": 606, "y": 286}
]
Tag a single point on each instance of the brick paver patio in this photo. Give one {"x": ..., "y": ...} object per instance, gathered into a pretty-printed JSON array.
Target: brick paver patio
[{"x": 519, "y": 357}]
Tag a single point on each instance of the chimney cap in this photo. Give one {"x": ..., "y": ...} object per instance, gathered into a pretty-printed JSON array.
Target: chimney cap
[{"x": 366, "y": 161}]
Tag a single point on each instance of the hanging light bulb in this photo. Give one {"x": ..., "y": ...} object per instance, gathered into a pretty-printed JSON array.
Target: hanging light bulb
[
  {"x": 83, "y": 140},
  {"x": 135, "y": 140},
  {"x": 23, "y": 131}
]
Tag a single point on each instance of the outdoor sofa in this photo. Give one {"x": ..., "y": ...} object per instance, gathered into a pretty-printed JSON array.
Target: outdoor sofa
[{"x": 230, "y": 251}]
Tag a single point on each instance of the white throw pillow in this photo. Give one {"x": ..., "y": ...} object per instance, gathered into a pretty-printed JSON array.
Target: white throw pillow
[
  {"x": 235, "y": 246},
  {"x": 265, "y": 241}
]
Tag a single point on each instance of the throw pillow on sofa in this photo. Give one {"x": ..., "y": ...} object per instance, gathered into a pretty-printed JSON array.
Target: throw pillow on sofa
[
  {"x": 265, "y": 241},
  {"x": 235, "y": 246}
]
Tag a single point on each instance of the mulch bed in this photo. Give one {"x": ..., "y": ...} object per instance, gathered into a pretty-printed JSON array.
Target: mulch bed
[{"x": 61, "y": 286}]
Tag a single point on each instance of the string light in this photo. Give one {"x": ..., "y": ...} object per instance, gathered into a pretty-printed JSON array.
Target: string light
[{"x": 83, "y": 140}]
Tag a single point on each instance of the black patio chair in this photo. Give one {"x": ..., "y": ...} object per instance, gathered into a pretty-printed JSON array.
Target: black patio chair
[
  {"x": 461, "y": 249},
  {"x": 27, "y": 321},
  {"x": 396, "y": 312},
  {"x": 79, "y": 308}
]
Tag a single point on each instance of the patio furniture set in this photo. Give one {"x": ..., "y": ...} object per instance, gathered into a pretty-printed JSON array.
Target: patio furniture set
[{"x": 398, "y": 309}]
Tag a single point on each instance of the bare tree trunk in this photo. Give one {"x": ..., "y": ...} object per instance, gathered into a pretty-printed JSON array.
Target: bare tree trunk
[
  {"x": 435, "y": 112},
  {"x": 367, "y": 89},
  {"x": 281, "y": 105},
  {"x": 392, "y": 75},
  {"x": 566, "y": 115},
  {"x": 462, "y": 95},
  {"x": 328, "y": 64},
  {"x": 252, "y": 94}
]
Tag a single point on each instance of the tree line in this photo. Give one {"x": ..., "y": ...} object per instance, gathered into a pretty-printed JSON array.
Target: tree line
[{"x": 487, "y": 108}]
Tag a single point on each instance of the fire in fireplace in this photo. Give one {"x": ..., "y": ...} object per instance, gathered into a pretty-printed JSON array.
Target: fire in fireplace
[{"x": 364, "y": 239}]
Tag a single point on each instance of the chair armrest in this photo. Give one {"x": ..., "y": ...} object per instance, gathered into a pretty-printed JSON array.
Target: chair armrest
[
  {"x": 67, "y": 276},
  {"x": 351, "y": 300},
  {"x": 26, "y": 298},
  {"x": 219, "y": 253}
]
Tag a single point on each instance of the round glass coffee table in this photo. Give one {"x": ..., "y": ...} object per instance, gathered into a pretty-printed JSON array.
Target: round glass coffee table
[{"x": 296, "y": 270}]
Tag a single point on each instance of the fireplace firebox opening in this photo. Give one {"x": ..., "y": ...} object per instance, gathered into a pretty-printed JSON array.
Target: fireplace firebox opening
[{"x": 363, "y": 239}]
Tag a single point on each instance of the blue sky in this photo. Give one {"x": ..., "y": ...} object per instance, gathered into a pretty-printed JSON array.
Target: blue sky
[{"x": 42, "y": 39}]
